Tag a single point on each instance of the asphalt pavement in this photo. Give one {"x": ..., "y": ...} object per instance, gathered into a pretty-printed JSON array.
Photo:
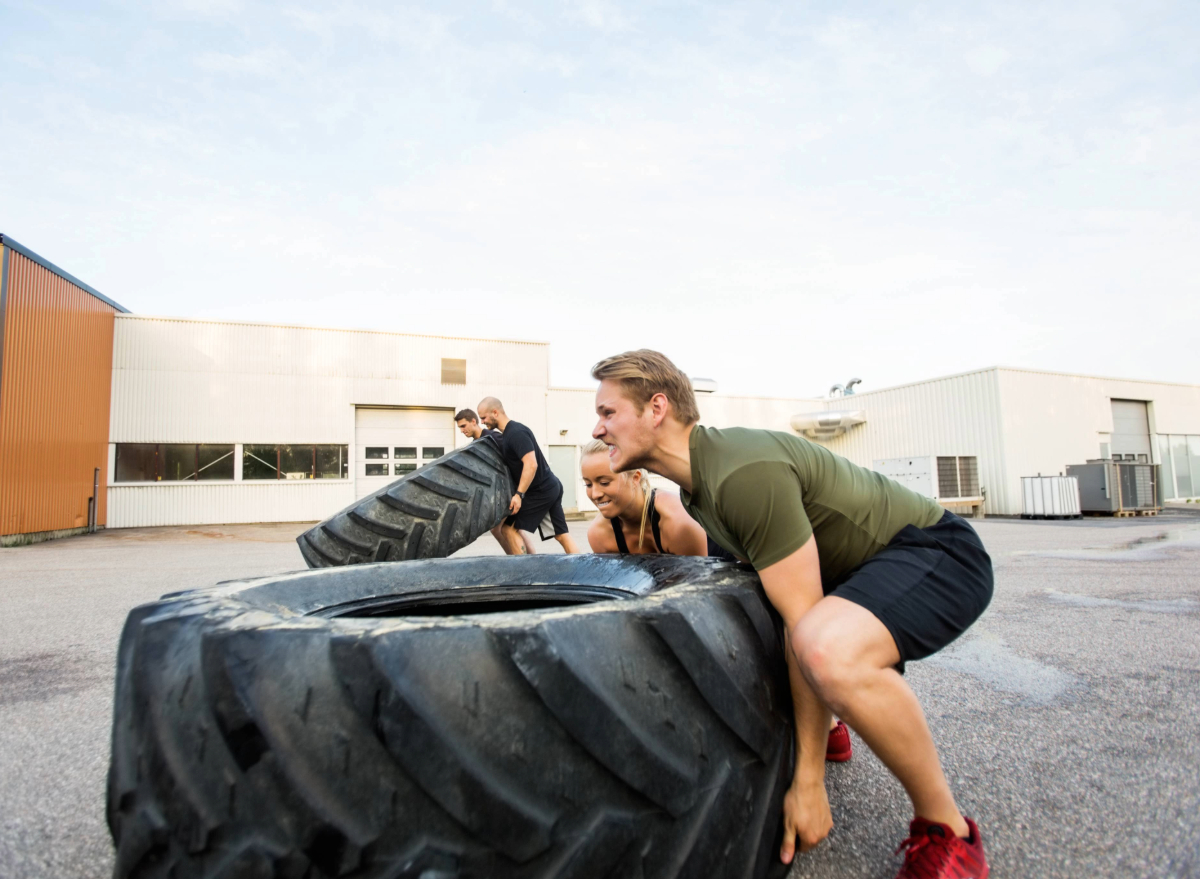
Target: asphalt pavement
[{"x": 1067, "y": 718}]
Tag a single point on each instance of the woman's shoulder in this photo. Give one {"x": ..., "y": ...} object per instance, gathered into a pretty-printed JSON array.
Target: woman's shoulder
[
  {"x": 600, "y": 535},
  {"x": 668, "y": 504},
  {"x": 681, "y": 531}
]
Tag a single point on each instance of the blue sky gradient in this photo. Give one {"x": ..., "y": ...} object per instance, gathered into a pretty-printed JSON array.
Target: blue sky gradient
[{"x": 777, "y": 197}]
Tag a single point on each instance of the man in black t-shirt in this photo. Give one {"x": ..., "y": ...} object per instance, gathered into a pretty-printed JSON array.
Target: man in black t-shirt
[
  {"x": 469, "y": 426},
  {"x": 537, "y": 503}
]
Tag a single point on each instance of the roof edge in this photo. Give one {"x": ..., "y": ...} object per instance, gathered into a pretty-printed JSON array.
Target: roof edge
[
  {"x": 8, "y": 241},
  {"x": 285, "y": 326},
  {"x": 999, "y": 369},
  {"x": 1105, "y": 378},
  {"x": 923, "y": 381},
  {"x": 592, "y": 390}
]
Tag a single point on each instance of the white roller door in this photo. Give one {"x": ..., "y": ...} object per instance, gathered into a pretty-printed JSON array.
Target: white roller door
[
  {"x": 1131, "y": 431},
  {"x": 392, "y": 442}
]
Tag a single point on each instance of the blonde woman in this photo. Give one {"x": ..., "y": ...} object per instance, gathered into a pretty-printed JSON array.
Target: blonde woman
[{"x": 636, "y": 519}]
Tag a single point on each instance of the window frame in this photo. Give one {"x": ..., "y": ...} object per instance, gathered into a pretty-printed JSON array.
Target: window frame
[
  {"x": 344, "y": 460},
  {"x": 238, "y": 451},
  {"x": 160, "y": 458}
]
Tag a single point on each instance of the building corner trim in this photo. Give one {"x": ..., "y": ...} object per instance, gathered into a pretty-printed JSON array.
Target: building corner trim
[
  {"x": 4, "y": 249},
  {"x": 8, "y": 243}
]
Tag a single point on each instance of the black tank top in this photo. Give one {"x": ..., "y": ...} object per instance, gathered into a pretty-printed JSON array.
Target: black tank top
[{"x": 620, "y": 534}]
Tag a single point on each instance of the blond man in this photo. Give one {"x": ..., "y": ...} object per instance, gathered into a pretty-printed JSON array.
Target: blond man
[{"x": 866, "y": 574}]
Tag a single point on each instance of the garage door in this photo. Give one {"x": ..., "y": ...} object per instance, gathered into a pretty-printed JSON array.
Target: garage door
[
  {"x": 392, "y": 442},
  {"x": 1131, "y": 431}
]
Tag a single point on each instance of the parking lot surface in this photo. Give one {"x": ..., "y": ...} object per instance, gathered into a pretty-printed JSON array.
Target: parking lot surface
[{"x": 1067, "y": 717}]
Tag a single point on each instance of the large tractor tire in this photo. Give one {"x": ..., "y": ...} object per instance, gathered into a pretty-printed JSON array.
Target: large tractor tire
[
  {"x": 550, "y": 716},
  {"x": 429, "y": 513}
]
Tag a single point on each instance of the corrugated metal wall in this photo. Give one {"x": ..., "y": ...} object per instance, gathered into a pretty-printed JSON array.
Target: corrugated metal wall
[
  {"x": 55, "y": 378},
  {"x": 957, "y": 415},
  {"x": 227, "y": 503}
]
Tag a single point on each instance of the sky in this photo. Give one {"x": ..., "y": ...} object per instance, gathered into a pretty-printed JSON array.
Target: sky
[{"x": 778, "y": 196}]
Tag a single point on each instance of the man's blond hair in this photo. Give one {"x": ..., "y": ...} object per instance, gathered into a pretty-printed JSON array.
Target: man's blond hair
[{"x": 644, "y": 373}]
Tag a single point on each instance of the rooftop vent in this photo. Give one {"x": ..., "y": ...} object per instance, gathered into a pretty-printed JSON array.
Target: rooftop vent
[
  {"x": 846, "y": 390},
  {"x": 704, "y": 385}
]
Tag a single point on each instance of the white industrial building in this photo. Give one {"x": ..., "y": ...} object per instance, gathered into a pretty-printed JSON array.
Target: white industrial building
[{"x": 222, "y": 422}]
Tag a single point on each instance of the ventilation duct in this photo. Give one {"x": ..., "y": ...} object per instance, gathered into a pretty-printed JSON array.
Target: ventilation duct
[{"x": 826, "y": 425}]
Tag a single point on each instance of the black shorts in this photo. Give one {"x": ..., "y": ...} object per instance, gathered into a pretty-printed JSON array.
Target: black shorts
[
  {"x": 543, "y": 515},
  {"x": 928, "y": 585}
]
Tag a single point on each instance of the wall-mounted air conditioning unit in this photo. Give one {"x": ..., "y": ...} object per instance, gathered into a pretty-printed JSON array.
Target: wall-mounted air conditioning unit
[{"x": 951, "y": 480}]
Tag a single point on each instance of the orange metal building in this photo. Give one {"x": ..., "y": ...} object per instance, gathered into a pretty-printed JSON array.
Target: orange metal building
[{"x": 56, "y": 344}]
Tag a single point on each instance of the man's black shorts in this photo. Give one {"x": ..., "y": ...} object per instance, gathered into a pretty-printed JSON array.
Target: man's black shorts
[
  {"x": 928, "y": 585},
  {"x": 534, "y": 510}
]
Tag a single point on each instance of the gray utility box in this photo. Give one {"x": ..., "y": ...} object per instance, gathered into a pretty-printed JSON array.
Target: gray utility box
[{"x": 1108, "y": 487}]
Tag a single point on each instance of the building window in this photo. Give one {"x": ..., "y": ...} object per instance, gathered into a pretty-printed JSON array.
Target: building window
[
  {"x": 331, "y": 462},
  {"x": 454, "y": 372},
  {"x": 294, "y": 462},
  {"x": 405, "y": 468},
  {"x": 406, "y": 453},
  {"x": 377, "y": 470},
  {"x": 173, "y": 462},
  {"x": 214, "y": 462},
  {"x": 137, "y": 462},
  {"x": 1180, "y": 459},
  {"x": 431, "y": 453}
]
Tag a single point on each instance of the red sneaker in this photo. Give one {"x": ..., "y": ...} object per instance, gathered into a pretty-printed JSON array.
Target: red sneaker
[
  {"x": 932, "y": 851},
  {"x": 838, "y": 749}
]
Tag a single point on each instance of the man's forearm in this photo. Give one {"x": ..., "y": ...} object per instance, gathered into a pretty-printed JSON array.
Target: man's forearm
[
  {"x": 528, "y": 471},
  {"x": 812, "y": 726}
]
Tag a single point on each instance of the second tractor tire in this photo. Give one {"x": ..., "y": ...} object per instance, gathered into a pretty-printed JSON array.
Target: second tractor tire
[{"x": 429, "y": 513}]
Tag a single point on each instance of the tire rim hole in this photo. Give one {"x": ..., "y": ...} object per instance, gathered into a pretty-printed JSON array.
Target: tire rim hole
[{"x": 477, "y": 601}]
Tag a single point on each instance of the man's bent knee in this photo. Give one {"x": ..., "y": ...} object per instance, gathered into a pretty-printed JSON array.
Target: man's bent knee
[{"x": 826, "y": 664}]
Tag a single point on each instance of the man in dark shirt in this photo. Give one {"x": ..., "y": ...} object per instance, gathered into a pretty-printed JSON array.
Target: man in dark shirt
[
  {"x": 469, "y": 426},
  {"x": 866, "y": 574},
  {"x": 537, "y": 502}
]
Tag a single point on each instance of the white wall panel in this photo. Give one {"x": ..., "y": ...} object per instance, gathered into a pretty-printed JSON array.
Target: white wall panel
[
  {"x": 185, "y": 381},
  {"x": 957, "y": 415},
  {"x": 197, "y": 381},
  {"x": 1052, "y": 420},
  {"x": 225, "y": 503}
]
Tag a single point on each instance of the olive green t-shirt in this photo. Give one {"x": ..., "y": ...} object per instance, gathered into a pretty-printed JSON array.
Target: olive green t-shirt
[{"x": 762, "y": 493}]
